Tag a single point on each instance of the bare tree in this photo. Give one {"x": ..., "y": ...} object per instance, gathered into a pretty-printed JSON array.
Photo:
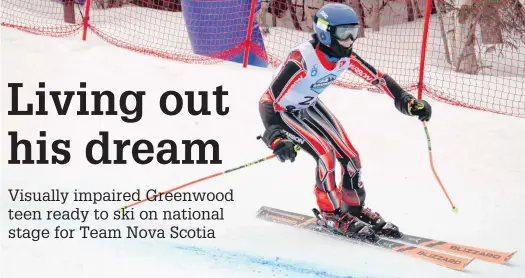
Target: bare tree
[
  {"x": 413, "y": 9},
  {"x": 410, "y": 10},
  {"x": 491, "y": 33},
  {"x": 440, "y": 9},
  {"x": 501, "y": 24}
]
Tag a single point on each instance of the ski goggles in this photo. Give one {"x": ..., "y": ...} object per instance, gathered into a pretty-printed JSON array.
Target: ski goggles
[{"x": 345, "y": 32}]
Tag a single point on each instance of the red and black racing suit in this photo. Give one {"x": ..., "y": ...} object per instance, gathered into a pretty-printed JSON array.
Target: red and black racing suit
[{"x": 318, "y": 132}]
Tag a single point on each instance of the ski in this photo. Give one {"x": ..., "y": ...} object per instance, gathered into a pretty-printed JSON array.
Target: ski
[
  {"x": 310, "y": 223},
  {"x": 465, "y": 250}
]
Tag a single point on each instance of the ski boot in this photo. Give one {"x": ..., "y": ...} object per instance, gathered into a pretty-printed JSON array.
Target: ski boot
[
  {"x": 380, "y": 226},
  {"x": 345, "y": 224}
]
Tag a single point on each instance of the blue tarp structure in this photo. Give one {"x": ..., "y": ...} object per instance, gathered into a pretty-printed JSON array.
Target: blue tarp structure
[{"x": 215, "y": 28}]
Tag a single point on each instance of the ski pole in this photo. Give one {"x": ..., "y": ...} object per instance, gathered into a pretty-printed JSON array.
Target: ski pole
[
  {"x": 454, "y": 208},
  {"x": 201, "y": 179},
  {"x": 208, "y": 177}
]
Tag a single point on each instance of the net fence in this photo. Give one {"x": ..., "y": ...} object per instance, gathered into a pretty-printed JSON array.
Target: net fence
[{"x": 475, "y": 49}]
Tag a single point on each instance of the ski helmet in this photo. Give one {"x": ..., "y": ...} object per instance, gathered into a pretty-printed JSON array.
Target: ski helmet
[{"x": 336, "y": 26}]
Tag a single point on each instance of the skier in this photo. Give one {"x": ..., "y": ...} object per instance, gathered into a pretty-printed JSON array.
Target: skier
[{"x": 293, "y": 116}]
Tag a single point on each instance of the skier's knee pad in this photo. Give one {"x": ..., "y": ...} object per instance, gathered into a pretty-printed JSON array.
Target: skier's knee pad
[{"x": 325, "y": 175}]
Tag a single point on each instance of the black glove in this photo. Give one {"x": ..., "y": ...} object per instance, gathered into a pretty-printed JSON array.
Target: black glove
[
  {"x": 421, "y": 108},
  {"x": 282, "y": 147},
  {"x": 409, "y": 105},
  {"x": 285, "y": 149}
]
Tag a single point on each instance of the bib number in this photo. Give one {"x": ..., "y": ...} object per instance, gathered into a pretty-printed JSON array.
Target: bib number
[{"x": 307, "y": 101}]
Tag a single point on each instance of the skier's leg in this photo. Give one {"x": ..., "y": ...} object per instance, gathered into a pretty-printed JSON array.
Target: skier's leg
[
  {"x": 326, "y": 192},
  {"x": 352, "y": 189},
  {"x": 327, "y": 195}
]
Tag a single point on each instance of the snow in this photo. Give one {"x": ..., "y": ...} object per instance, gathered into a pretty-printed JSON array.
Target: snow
[{"x": 478, "y": 155}]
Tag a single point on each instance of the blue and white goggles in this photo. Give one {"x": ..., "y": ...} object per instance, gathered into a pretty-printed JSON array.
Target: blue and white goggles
[{"x": 345, "y": 32}]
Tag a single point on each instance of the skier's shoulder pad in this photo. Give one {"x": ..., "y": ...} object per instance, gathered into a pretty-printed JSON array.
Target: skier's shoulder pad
[{"x": 299, "y": 53}]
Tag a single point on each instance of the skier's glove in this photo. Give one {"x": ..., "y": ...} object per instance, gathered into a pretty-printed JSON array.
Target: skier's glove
[
  {"x": 409, "y": 105},
  {"x": 421, "y": 108},
  {"x": 282, "y": 147}
]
